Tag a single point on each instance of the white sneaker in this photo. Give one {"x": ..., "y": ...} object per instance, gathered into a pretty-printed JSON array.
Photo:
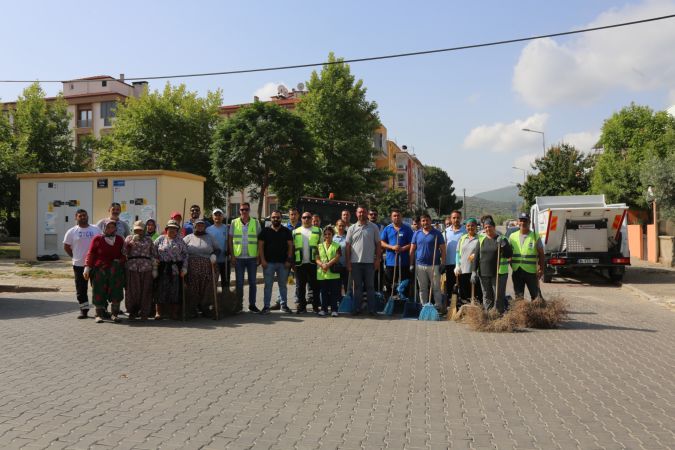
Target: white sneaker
[
  {"x": 322, "y": 313},
  {"x": 334, "y": 314}
]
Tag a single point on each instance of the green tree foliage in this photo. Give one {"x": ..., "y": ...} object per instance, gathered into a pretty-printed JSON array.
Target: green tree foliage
[
  {"x": 628, "y": 138},
  {"x": 341, "y": 121},
  {"x": 659, "y": 172},
  {"x": 438, "y": 189},
  {"x": 563, "y": 171},
  {"x": 38, "y": 140},
  {"x": 389, "y": 199},
  {"x": 263, "y": 146},
  {"x": 170, "y": 130}
]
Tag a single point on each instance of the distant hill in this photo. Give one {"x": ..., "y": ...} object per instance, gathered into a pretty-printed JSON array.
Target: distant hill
[
  {"x": 508, "y": 194},
  {"x": 476, "y": 207}
]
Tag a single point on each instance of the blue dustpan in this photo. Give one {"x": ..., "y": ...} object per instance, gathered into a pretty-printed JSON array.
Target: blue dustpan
[
  {"x": 402, "y": 286},
  {"x": 389, "y": 307},
  {"x": 411, "y": 310},
  {"x": 346, "y": 305}
]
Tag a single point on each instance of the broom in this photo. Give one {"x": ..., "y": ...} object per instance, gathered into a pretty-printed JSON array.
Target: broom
[
  {"x": 389, "y": 307},
  {"x": 428, "y": 310},
  {"x": 499, "y": 247},
  {"x": 347, "y": 302},
  {"x": 215, "y": 293}
]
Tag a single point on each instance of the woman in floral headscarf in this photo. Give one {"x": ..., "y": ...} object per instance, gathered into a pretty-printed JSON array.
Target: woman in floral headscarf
[
  {"x": 173, "y": 264},
  {"x": 104, "y": 264},
  {"x": 141, "y": 260}
]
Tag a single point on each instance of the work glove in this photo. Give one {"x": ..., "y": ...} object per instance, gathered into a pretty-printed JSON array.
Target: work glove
[
  {"x": 213, "y": 258},
  {"x": 474, "y": 278},
  {"x": 458, "y": 271},
  {"x": 155, "y": 273}
]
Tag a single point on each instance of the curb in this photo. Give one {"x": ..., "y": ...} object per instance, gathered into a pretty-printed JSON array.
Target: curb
[
  {"x": 20, "y": 289},
  {"x": 651, "y": 298}
]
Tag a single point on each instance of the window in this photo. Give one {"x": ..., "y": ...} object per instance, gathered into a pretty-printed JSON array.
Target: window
[
  {"x": 234, "y": 209},
  {"x": 272, "y": 207},
  {"x": 104, "y": 83},
  {"x": 84, "y": 118},
  {"x": 108, "y": 112}
]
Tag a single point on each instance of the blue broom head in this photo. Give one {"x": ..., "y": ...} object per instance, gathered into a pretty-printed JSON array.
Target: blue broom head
[
  {"x": 389, "y": 307},
  {"x": 379, "y": 296},
  {"x": 346, "y": 305},
  {"x": 429, "y": 313},
  {"x": 402, "y": 286}
]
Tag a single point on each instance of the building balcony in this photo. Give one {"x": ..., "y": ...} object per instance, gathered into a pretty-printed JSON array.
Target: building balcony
[{"x": 84, "y": 123}]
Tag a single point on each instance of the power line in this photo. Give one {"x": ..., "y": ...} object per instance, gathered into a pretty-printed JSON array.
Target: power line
[{"x": 374, "y": 58}]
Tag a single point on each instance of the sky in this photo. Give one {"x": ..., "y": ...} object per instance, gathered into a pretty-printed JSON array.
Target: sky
[{"x": 463, "y": 111}]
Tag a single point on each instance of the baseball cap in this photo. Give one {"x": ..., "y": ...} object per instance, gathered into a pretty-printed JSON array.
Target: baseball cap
[
  {"x": 200, "y": 221},
  {"x": 523, "y": 216},
  {"x": 175, "y": 214},
  {"x": 139, "y": 225},
  {"x": 218, "y": 210},
  {"x": 173, "y": 224}
]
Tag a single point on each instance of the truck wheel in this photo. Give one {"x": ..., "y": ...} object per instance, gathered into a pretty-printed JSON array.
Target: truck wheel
[{"x": 616, "y": 274}]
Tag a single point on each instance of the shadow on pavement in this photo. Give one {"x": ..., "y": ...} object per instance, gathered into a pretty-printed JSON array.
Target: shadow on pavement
[
  {"x": 17, "y": 308},
  {"x": 581, "y": 325}
]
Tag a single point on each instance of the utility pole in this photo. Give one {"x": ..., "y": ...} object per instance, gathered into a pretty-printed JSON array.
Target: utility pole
[{"x": 464, "y": 200}]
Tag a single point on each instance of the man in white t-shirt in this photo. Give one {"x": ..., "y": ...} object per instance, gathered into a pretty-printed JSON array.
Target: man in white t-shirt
[{"x": 76, "y": 244}]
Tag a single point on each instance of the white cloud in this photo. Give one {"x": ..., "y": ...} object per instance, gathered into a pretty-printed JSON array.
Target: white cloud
[
  {"x": 582, "y": 141},
  {"x": 502, "y": 137},
  {"x": 583, "y": 69},
  {"x": 268, "y": 90},
  {"x": 525, "y": 161}
]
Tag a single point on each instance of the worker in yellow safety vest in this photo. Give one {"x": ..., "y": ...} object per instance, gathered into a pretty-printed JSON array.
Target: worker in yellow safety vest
[
  {"x": 306, "y": 240},
  {"x": 243, "y": 242},
  {"x": 527, "y": 262}
]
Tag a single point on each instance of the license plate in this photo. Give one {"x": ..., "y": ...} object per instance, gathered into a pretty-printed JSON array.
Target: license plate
[{"x": 588, "y": 261}]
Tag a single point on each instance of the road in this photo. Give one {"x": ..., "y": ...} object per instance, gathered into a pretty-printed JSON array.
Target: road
[{"x": 604, "y": 380}]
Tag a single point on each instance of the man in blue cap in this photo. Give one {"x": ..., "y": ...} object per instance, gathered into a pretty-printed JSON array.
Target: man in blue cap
[{"x": 527, "y": 262}]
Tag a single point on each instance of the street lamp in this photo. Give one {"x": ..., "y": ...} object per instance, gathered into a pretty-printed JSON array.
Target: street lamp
[
  {"x": 543, "y": 137},
  {"x": 524, "y": 173}
]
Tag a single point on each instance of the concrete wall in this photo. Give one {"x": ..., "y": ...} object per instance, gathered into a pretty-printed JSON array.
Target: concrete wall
[
  {"x": 636, "y": 241},
  {"x": 172, "y": 189},
  {"x": 667, "y": 250}
]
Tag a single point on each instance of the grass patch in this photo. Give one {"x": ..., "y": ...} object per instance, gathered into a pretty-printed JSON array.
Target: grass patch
[
  {"x": 41, "y": 273},
  {"x": 9, "y": 251}
]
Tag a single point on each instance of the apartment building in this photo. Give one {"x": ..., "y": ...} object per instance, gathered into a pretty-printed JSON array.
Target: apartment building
[
  {"x": 92, "y": 102},
  {"x": 407, "y": 173}
]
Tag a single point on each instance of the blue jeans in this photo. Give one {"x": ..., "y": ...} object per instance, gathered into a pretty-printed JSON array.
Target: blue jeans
[
  {"x": 364, "y": 273},
  {"x": 250, "y": 265},
  {"x": 280, "y": 270}
]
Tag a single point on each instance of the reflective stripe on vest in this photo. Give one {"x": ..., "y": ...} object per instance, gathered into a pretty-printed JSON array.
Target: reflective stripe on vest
[
  {"x": 238, "y": 235},
  {"x": 525, "y": 257},
  {"x": 326, "y": 256},
  {"x": 314, "y": 240},
  {"x": 503, "y": 262}
]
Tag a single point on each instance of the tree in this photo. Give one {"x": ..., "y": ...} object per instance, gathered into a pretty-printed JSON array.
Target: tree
[
  {"x": 659, "y": 173},
  {"x": 169, "y": 130},
  {"x": 341, "y": 121},
  {"x": 263, "y": 146},
  {"x": 390, "y": 199},
  {"x": 627, "y": 138},
  {"x": 38, "y": 140},
  {"x": 563, "y": 171},
  {"x": 439, "y": 191}
]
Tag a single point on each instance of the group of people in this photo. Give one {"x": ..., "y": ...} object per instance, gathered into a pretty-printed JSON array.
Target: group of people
[{"x": 156, "y": 272}]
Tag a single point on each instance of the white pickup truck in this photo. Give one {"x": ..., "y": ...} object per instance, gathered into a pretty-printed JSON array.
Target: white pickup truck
[{"x": 582, "y": 232}]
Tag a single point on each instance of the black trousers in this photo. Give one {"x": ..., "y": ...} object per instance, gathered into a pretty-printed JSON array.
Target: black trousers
[
  {"x": 450, "y": 280},
  {"x": 305, "y": 276},
  {"x": 224, "y": 273},
  {"x": 81, "y": 288},
  {"x": 389, "y": 279},
  {"x": 464, "y": 283},
  {"x": 521, "y": 279}
]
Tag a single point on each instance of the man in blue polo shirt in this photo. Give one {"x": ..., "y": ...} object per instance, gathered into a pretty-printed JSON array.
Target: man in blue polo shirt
[
  {"x": 428, "y": 249},
  {"x": 396, "y": 238}
]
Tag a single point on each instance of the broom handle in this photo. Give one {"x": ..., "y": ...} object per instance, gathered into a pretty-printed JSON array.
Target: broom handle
[
  {"x": 473, "y": 293},
  {"x": 433, "y": 268},
  {"x": 393, "y": 281},
  {"x": 215, "y": 292},
  {"x": 497, "y": 283}
]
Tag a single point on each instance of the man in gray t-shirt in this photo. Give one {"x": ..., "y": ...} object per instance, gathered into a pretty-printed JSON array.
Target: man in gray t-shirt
[{"x": 363, "y": 258}]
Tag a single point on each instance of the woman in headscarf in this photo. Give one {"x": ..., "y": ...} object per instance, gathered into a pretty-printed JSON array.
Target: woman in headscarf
[
  {"x": 141, "y": 260},
  {"x": 173, "y": 264},
  {"x": 202, "y": 251},
  {"x": 151, "y": 229},
  {"x": 104, "y": 264}
]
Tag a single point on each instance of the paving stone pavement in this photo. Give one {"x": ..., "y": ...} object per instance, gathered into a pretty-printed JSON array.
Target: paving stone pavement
[{"x": 605, "y": 380}]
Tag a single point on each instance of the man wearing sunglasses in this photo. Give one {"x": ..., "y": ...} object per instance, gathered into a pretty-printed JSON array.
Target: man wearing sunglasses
[
  {"x": 243, "y": 242},
  {"x": 189, "y": 226},
  {"x": 306, "y": 241}
]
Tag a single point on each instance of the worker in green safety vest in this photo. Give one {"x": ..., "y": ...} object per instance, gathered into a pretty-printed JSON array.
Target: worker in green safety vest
[
  {"x": 305, "y": 242},
  {"x": 491, "y": 273},
  {"x": 243, "y": 242},
  {"x": 527, "y": 262}
]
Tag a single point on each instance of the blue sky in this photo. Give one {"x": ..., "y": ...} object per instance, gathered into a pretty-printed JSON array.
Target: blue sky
[{"x": 462, "y": 111}]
